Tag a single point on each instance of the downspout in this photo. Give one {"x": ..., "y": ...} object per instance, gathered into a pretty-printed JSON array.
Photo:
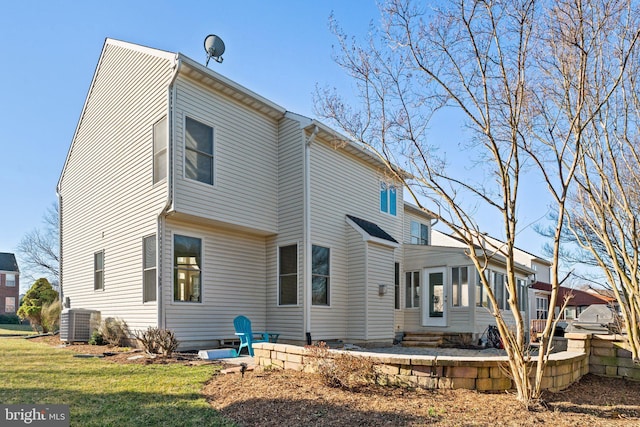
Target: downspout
[
  {"x": 307, "y": 234},
  {"x": 168, "y": 207}
]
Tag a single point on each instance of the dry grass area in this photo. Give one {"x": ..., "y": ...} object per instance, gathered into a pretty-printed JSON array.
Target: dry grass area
[{"x": 286, "y": 398}]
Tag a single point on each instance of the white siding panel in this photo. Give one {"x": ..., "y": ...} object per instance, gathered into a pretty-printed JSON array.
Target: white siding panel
[
  {"x": 233, "y": 283},
  {"x": 288, "y": 320},
  {"x": 341, "y": 185},
  {"x": 357, "y": 268},
  {"x": 109, "y": 202},
  {"x": 245, "y": 161},
  {"x": 380, "y": 311}
]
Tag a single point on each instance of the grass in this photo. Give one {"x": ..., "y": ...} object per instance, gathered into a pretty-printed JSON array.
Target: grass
[
  {"x": 6, "y": 329},
  {"x": 102, "y": 393}
]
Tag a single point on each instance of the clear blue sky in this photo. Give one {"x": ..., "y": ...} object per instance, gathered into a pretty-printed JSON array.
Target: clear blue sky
[{"x": 49, "y": 51}]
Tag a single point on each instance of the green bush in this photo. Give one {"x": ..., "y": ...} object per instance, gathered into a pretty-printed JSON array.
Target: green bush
[
  {"x": 40, "y": 293},
  {"x": 9, "y": 319},
  {"x": 96, "y": 338}
]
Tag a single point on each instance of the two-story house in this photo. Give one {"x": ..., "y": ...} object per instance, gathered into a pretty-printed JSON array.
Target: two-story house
[
  {"x": 187, "y": 199},
  {"x": 9, "y": 283}
]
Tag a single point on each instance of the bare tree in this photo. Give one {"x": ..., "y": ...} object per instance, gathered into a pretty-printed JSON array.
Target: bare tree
[
  {"x": 605, "y": 219},
  {"x": 516, "y": 72},
  {"x": 39, "y": 248}
]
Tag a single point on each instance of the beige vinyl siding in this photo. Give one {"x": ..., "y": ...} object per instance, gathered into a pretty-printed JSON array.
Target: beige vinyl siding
[
  {"x": 380, "y": 311},
  {"x": 245, "y": 161},
  {"x": 342, "y": 184},
  {"x": 287, "y": 320},
  {"x": 109, "y": 202},
  {"x": 232, "y": 283},
  {"x": 357, "y": 270}
]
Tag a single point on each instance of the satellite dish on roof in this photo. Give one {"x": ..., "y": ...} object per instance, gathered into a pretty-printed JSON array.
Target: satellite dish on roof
[{"x": 214, "y": 46}]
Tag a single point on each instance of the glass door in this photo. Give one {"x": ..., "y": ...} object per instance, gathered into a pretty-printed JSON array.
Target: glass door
[{"x": 435, "y": 310}]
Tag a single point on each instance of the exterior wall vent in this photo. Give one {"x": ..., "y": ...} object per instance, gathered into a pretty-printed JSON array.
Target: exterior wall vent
[{"x": 75, "y": 324}]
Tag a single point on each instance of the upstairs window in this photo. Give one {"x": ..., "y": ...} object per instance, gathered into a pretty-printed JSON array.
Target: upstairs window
[
  {"x": 388, "y": 198},
  {"x": 10, "y": 280},
  {"x": 419, "y": 233},
  {"x": 98, "y": 270},
  {"x": 198, "y": 154},
  {"x": 320, "y": 275},
  {"x": 149, "y": 268},
  {"x": 288, "y": 272},
  {"x": 187, "y": 267},
  {"x": 160, "y": 150}
]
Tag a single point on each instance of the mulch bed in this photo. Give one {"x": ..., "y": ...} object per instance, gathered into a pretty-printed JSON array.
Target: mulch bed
[{"x": 288, "y": 398}]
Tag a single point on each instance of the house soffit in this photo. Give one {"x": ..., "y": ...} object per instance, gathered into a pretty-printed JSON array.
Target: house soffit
[{"x": 221, "y": 84}]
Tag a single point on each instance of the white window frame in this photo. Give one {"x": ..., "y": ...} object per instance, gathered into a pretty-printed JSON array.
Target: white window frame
[
  {"x": 412, "y": 289},
  {"x": 174, "y": 267},
  {"x": 148, "y": 269},
  {"x": 386, "y": 187},
  {"x": 460, "y": 291},
  {"x": 185, "y": 149},
  {"x": 13, "y": 304},
  {"x": 12, "y": 281},
  {"x": 160, "y": 155},
  {"x": 481, "y": 297},
  {"x": 280, "y": 275},
  {"x": 542, "y": 307},
  {"x": 418, "y": 240},
  {"x": 98, "y": 285},
  {"x": 523, "y": 294},
  {"x": 328, "y": 277}
]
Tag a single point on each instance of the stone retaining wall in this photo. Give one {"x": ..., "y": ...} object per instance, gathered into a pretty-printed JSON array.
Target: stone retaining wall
[
  {"x": 443, "y": 372},
  {"x": 609, "y": 355}
]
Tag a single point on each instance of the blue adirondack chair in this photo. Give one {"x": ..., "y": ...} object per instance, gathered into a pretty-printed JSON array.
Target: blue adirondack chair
[{"x": 243, "y": 330}]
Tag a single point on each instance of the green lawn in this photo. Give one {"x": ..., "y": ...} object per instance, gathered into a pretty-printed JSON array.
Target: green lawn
[
  {"x": 102, "y": 393},
  {"x": 16, "y": 329}
]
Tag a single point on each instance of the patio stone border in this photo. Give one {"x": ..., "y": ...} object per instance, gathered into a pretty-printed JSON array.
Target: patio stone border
[{"x": 439, "y": 372}]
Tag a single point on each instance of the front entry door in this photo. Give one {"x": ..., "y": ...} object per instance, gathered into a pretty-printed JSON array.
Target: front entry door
[{"x": 434, "y": 310}]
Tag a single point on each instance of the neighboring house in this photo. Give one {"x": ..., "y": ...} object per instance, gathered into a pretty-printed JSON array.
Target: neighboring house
[
  {"x": 578, "y": 301},
  {"x": 186, "y": 200},
  {"x": 9, "y": 283}
]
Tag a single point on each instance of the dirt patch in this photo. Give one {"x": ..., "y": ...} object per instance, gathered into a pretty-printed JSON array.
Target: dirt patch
[
  {"x": 288, "y": 398},
  {"x": 121, "y": 354}
]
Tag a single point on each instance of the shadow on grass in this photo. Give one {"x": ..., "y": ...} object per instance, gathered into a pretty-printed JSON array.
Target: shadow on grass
[
  {"x": 125, "y": 408},
  {"x": 602, "y": 397}
]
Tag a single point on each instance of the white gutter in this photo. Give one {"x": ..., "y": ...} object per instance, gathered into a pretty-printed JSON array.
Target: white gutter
[
  {"x": 171, "y": 99},
  {"x": 307, "y": 289}
]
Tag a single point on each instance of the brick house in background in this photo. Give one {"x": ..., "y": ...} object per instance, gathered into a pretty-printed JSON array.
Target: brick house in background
[{"x": 9, "y": 283}]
